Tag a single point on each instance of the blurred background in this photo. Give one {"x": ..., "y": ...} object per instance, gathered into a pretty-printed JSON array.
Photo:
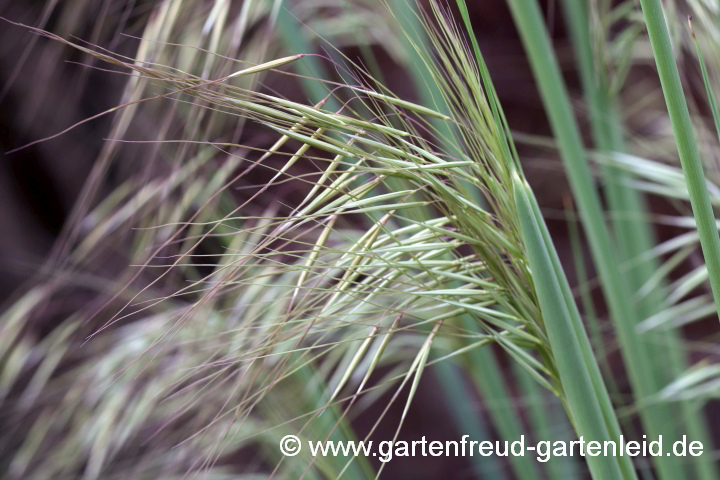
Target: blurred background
[{"x": 70, "y": 225}]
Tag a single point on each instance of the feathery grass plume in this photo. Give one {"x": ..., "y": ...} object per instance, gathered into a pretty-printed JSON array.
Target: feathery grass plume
[
  {"x": 484, "y": 368},
  {"x": 144, "y": 205},
  {"x": 482, "y": 363},
  {"x": 288, "y": 319},
  {"x": 343, "y": 288},
  {"x": 488, "y": 117},
  {"x": 487, "y": 376}
]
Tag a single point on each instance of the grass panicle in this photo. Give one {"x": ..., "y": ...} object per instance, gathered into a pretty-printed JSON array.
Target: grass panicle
[{"x": 409, "y": 244}]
